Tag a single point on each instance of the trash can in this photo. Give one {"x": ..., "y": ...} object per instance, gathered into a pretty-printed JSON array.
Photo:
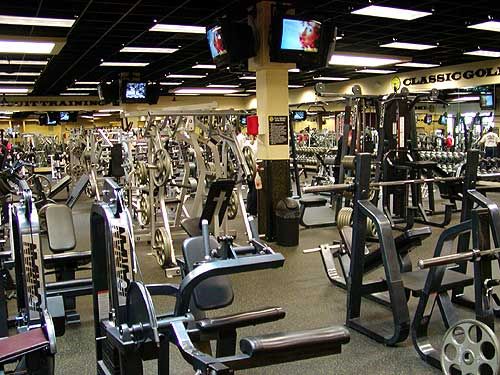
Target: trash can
[{"x": 287, "y": 222}]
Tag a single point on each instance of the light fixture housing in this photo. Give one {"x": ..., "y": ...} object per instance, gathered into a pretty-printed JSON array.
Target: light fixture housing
[
  {"x": 466, "y": 99},
  {"x": 74, "y": 93},
  {"x": 294, "y": 70},
  {"x": 483, "y": 53},
  {"x": 124, "y": 64},
  {"x": 488, "y": 26},
  {"x": 36, "y": 21},
  {"x": 417, "y": 65},
  {"x": 23, "y": 62},
  {"x": 20, "y": 74},
  {"x": 358, "y": 59},
  {"x": 170, "y": 83},
  {"x": 181, "y": 76},
  {"x": 204, "y": 66},
  {"x": 29, "y": 83},
  {"x": 26, "y": 47},
  {"x": 295, "y": 86},
  {"x": 376, "y": 71},
  {"x": 249, "y": 78},
  {"x": 168, "y": 28},
  {"x": 148, "y": 50},
  {"x": 223, "y": 86},
  {"x": 12, "y": 90},
  {"x": 81, "y": 89},
  {"x": 330, "y": 78},
  {"x": 411, "y": 46},
  {"x": 391, "y": 12},
  {"x": 87, "y": 83},
  {"x": 205, "y": 90},
  {"x": 237, "y": 94}
]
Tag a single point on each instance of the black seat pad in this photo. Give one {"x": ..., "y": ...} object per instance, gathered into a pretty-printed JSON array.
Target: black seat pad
[
  {"x": 411, "y": 238},
  {"x": 313, "y": 201},
  {"x": 415, "y": 280},
  {"x": 192, "y": 226},
  {"x": 69, "y": 259},
  {"x": 239, "y": 320},
  {"x": 215, "y": 292},
  {"x": 314, "y": 341},
  {"x": 60, "y": 228}
]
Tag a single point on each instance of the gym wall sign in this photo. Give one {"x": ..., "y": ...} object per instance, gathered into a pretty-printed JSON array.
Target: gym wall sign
[{"x": 451, "y": 76}]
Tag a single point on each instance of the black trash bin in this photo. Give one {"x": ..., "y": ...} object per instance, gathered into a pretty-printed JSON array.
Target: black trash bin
[{"x": 287, "y": 222}]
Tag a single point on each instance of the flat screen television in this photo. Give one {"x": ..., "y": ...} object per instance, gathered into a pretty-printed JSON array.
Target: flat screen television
[
  {"x": 487, "y": 101},
  {"x": 231, "y": 43},
  {"x": 302, "y": 41},
  {"x": 443, "y": 119},
  {"x": 299, "y": 115},
  {"x": 109, "y": 93},
  {"x": 428, "y": 119},
  {"x": 243, "y": 120},
  {"x": 134, "y": 92},
  {"x": 64, "y": 116}
]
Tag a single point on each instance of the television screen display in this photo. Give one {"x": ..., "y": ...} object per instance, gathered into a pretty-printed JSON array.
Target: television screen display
[
  {"x": 428, "y": 119},
  {"x": 443, "y": 120},
  {"x": 298, "y": 115},
  {"x": 52, "y": 118},
  {"x": 486, "y": 101},
  {"x": 243, "y": 120},
  {"x": 63, "y": 116},
  {"x": 215, "y": 42},
  {"x": 300, "y": 35},
  {"x": 135, "y": 91}
]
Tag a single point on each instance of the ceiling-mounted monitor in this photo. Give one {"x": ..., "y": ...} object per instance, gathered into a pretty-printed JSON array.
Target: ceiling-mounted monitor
[{"x": 487, "y": 100}]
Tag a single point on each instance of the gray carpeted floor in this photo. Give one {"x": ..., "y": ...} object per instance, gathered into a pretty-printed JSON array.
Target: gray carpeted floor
[{"x": 300, "y": 287}]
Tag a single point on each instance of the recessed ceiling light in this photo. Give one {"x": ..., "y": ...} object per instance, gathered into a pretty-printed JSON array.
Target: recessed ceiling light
[
  {"x": 187, "y": 94},
  {"x": 81, "y": 89},
  {"x": 488, "y": 25},
  {"x": 178, "y": 29},
  {"x": 86, "y": 83},
  {"x": 74, "y": 93},
  {"x": 132, "y": 64},
  {"x": 20, "y": 74},
  {"x": 11, "y": 90},
  {"x": 355, "y": 59},
  {"x": 295, "y": 86},
  {"x": 29, "y": 83},
  {"x": 237, "y": 94},
  {"x": 412, "y": 46},
  {"x": 170, "y": 83},
  {"x": 204, "y": 66},
  {"x": 330, "y": 78},
  {"x": 390, "y": 12},
  {"x": 417, "y": 65},
  {"x": 32, "y": 48},
  {"x": 466, "y": 99},
  {"x": 248, "y": 77},
  {"x": 36, "y": 21},
  {"x": 186, "y": 76},
  {"x": 205, "y": 90},
  {"x": 224, "y": 86},
  {"x": 102, "y": 114},
  {"x": 482, "y": 52},
  {"x": 376, "y": 71},
  {"x": 294, "y": 70},
  {"x": 148, "y": 50},
  {"x": 23, "y": 62}
]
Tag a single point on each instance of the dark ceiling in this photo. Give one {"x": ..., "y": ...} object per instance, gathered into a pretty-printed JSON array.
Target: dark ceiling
[{"x": 103, "y": 27}]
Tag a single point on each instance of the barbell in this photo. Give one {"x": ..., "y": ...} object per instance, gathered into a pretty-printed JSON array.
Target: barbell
[{"x": 472, "y": 255}]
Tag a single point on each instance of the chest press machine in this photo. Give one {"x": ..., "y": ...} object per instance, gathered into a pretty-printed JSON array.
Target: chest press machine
[{"x": 128, "y": 330}]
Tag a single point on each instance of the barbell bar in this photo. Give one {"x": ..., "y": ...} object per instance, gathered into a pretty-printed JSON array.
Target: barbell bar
[{"x": 445, "y": 260}]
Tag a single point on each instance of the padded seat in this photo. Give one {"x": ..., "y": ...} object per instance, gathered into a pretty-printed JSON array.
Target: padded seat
[
  {"x": 422, "y": 164},
  {"x": 313, "y": 201},
  {"x": 60, "y": 228},
  {"x": 192, "y": 226},
  {"x": 215, "y": 292},
  {"x": 415, "y": 280},
  {"x": 71, "y": 259},
  {"x": 245, "y": 319},
  {"x": 411, "y": 238},
  {"x": 18, "y": 345},
  {"x": 315, "y": 342}
]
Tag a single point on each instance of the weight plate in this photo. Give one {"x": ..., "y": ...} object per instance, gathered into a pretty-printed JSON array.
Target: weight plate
[
  {"x": 232, "y": 208},
  {"x": 163, "y": 247},
  {"x": 249, "y": 159},
  {"x": 141, "y": 170},
  {"x": 144, "y": 210},
  {"x": 141, "y": 311},
  {"x": 470, "y": 347},
  {"x": 163, "y": 167}
]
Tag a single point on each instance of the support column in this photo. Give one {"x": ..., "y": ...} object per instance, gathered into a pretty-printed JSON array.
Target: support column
[{"x": 272, "y": 110}]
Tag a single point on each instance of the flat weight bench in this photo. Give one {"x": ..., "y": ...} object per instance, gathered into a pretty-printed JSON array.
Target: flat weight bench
[
  {"x": 62, "y": 184},
  {"x": 310, "y": 202},
  {"x": 216, "y": 204},
  {"x": 64, "y": 262}
]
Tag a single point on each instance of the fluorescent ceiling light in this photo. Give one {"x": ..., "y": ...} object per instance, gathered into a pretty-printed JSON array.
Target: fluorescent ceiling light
[
  {"x": 4, "y": 117},
  {"x": 166, "y": 28},
  {"x": 376, "y": 71},
  {"x": 412, "y": 46},
  {"x": 295, "y": 86},
  {"x": 74, "y": 93},
  {"x": 11, "y": 90},
  {"x": 204, "y": 66},
  {"x": 20, "y": 74},
  {"x": 186, "y": 76},
  {"x": 339, "y": 38},
  {"x": 170, "y": 83},
  {"x": 466, "y": 99},
  {"x": 483, "y": 52},
  {"x": 205, "y": 90},
  {"x": 237, "y": 94},
  {"x": 458, "y": 93},
  {"x": 29, "y": 83},
  {"x": 133, "y": 64},
  {"x": 330, "y": 78},
  {"x": 488, "y": 25},
  {"x": 187, "y": 94},
  {"x": 251, "y": 90},
  {"x": 86, "y": 83},
  {"x": 294, "y": 70},
  {"x": 36, "y": 21},
  {"x": 390, "y": 12},
  {"x": 23, "y": 62},
  {"x": 81, "y": 89},
  {"x": 354, "y": 59},
  {"x": 224, "y": 86},
  {"x": 110, "y": 110},
  {"x": 87, "y": 117},
  {"x": 148, "y": 50},
  {"x": 248, "y": 77},
  {"x": 102, "y": 114},
  {"x": 417, "y": 65},
  {"x": 32, "y": 48},
  {"x": 6, "y": 113}
]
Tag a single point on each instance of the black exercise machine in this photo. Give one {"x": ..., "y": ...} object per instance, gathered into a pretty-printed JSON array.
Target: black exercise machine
[{"x": 134, "y": 333}]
